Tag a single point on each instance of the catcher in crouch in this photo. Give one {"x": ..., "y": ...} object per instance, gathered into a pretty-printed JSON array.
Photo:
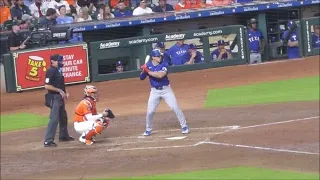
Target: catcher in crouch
[{"x": 87, "y": 121}]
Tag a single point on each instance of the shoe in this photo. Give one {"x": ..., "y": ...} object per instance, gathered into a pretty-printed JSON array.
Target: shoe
[
  {"x": 185, "y": 130},
  {"x": 93, "y": 140},
  {"x": 89, "y": 142},
  {"x": 50, "y": 144},
  {"x": 147, "y": 133},
  {"x": 70, "y": 138},
  {"x": 82, "y": 139}
]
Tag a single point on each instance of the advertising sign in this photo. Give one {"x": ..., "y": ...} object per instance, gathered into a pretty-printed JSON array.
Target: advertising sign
[{"x": 31, "y": 66}]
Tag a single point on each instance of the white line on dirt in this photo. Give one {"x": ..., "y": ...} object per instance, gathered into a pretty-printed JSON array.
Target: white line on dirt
[
  {"x": 279, "y": 122},
  {"x": 148, "y": 148},
  {"x": 260, "y": 148},
  {"x": 201, "y": 128}
]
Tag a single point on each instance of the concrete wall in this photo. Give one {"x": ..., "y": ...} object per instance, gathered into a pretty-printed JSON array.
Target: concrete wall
[{"x": 309, "y": 11}]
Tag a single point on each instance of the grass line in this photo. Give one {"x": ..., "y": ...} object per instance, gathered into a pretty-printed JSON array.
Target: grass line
[
  {"x": 302, "y": 89},
  {"x": 22, "y": 121},
  {"x": 236, "y": 173}
]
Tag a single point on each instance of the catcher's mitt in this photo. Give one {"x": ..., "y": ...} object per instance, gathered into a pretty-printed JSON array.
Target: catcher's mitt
[{"x": 110, "y": 113}]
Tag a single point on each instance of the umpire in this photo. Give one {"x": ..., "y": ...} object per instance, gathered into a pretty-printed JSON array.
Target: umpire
[{"x": 55, "y": 100}]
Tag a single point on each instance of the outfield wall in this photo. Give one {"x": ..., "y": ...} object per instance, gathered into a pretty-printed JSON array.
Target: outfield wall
[{"x": 96, "y": 61}]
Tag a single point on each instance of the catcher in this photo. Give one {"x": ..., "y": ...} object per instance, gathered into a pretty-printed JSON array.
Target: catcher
[{"x": 87, "y": 121}]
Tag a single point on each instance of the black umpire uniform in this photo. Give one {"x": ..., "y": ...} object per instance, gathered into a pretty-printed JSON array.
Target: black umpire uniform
[{"x": 55, "y": 100}]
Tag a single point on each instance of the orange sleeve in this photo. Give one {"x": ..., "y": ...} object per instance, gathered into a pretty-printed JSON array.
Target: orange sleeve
[
  {"x": 70, "y": 2},
  {"x": 177, "y": 7},
  {"x": 187, "y": 6}
]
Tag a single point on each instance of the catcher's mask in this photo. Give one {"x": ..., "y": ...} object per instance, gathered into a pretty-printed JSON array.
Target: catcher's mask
[
  {"x": 252, "y": 21},
  {"x": 91, "y": 91}
]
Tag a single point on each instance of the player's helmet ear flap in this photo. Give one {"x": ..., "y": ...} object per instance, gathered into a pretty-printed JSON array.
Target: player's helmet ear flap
[{"x": 91, "y": 91}]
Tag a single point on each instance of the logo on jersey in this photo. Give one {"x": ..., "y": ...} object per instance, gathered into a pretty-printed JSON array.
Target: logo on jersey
[
  {"x": 181, "y": 52},
  {"x": 175, "y": 37},
  {"x": 164, "y": 69},
  {"x": 109, "y": 45},
  {"x": 254, "y": 38}
]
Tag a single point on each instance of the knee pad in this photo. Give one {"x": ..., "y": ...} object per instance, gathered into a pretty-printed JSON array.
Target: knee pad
[{"x": 98, "y": 127}]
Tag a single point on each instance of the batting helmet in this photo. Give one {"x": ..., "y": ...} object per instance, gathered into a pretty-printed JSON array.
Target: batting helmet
[
  {"x": 252, "y": 21},
  {"x": 156, "y": 53}
]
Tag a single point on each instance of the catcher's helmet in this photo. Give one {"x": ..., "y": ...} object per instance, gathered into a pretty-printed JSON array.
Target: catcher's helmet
[
  {"x": 252, "y": 21},
  {"x": 91, "y": 91},
  {"x": 156, "y": 53}
]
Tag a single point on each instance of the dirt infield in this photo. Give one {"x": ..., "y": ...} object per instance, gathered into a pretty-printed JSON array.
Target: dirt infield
[{"x": 279, "y": 136}]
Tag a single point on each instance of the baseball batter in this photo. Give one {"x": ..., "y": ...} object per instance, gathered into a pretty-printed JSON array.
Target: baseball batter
[
  {"x": 86, "y": 120},
  {"x": 157, "y": 70}
]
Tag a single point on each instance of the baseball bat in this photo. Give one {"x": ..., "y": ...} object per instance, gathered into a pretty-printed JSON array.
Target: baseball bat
[{"x": 147, "y": 59}]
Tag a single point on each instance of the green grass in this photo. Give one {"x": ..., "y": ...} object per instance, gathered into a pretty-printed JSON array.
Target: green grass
[
  {"x": 21, "y": 121},
  {"x": 248, "y": 173},
  {"x": 303, "y": 89}
]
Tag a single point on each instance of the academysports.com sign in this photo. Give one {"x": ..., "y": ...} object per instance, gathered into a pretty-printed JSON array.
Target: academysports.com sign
[{"x": 31, "y": 66}]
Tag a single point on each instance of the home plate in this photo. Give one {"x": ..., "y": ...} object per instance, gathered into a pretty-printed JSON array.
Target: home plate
[{"x": 176, "y": 138}]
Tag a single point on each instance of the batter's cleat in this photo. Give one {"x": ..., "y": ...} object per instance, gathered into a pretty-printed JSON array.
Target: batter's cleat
[
  {"x": 89, "y": 142},
  {"x": 50, "y": 144},
  {"x": 185, "y": 130},
  {"x": 147, "y": 133}
]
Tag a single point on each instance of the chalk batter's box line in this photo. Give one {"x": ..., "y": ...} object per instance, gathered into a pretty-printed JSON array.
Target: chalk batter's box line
[{"x": 233, "y": 145}]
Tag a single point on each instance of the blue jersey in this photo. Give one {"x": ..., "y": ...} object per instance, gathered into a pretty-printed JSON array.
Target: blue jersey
[
  {"x": 315, "y": 40},
  {"x": 126, "y": 13},
  {"x": 254, "y": 40},
  {"x": 215, "y": 54},
  {"x": 64, "y": 20},
  {"x": 198, "y": 59},
  {"x": 178, "y": 55},
  {"x": 293, "y": 52},
  {"x": 156, "y": 82}
]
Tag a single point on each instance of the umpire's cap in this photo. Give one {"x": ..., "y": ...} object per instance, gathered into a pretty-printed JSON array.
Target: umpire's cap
[
  {"x": 56, "y": 57},
  {"x": 156, "y": 53}
]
